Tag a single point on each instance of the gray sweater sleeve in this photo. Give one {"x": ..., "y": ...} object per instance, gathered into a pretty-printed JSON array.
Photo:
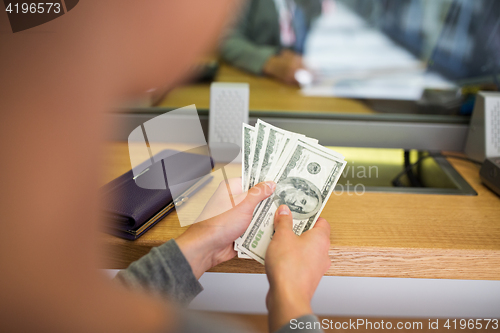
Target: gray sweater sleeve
[{"x": 163, "y": 270}]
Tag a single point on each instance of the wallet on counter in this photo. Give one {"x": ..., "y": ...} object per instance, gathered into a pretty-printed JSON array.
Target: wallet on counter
[{"x": 136, "y": 203}]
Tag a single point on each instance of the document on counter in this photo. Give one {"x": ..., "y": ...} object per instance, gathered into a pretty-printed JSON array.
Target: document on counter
[{"x": 349, "y": 58}]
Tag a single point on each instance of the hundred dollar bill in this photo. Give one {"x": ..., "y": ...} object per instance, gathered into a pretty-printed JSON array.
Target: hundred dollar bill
[
  {"x": 248, "y": 138},
  {"x": 304, "y": 183},
  {"x": 248, "y": 141},
  {"x": 309, "y": 140},
  {"x": 273, "y": 147},
  {"x": 288, "y": 146},
  {"x": 243, "y": 255},
  {"x": 262, "y": 132}
]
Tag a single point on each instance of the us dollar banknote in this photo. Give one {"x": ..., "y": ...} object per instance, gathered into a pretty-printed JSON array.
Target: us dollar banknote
[
  {"x": 277, "y": 142},
  {"x": 262, "y": 132},
  {"x": 247, "y": 139},
  {"x": 273, "y": 147},
  {"x": 305, "y": 182}
]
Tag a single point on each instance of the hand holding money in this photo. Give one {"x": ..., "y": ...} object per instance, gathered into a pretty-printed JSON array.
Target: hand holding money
[
  {"x": 294, "y": 267},
  {"x": 305, "y": 174},
  {"x": 210, "y": 241}
]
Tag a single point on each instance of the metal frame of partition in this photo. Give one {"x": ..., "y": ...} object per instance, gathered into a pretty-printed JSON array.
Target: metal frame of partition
[{"x": 421, "y": 132}]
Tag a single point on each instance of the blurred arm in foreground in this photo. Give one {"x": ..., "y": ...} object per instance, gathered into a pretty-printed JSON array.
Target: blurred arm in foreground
[{"x": 57, "y": 81}]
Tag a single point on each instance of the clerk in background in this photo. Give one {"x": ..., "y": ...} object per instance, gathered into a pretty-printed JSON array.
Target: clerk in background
[{"x": 269, "y": 37}]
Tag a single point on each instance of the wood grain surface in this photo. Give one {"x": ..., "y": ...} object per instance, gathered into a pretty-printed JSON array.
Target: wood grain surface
[
  {"x": 265, "y": 94},
  {"x": 374, "y": 234}
]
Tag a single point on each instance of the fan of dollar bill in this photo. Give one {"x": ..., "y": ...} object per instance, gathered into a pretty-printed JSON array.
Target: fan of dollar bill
[{"x": 305, "y": 174}]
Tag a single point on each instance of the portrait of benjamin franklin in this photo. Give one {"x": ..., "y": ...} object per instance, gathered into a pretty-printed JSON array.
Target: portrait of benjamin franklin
[{"x": 300, "y": 195}]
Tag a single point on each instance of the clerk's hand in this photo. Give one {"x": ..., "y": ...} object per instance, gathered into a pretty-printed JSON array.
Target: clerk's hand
[
  {"x": 283, "y": 66},
  {"x": 209, "y": 242},
  {"x": 294, "y": 267}
]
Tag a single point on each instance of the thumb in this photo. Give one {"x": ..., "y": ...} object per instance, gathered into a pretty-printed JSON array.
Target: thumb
[
  {"x": 256, "y": 194},
  {"x": 283, "y": 219}
]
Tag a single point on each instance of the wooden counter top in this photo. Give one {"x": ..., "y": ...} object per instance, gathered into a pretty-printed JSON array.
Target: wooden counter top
[{"x": 374, "y": 234}]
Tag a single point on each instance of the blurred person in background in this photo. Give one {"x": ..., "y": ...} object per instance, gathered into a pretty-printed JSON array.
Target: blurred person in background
[
  {"x": 57, "y": 81},
  {"x": 269, "y": 37}
]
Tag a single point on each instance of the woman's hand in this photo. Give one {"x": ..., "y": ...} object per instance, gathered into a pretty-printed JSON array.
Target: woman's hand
[
  {"x": 209, "y": 242},
  {"x": 294, "y": 267}
]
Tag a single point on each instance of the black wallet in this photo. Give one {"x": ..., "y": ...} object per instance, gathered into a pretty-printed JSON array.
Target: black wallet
[{"x": 137, "y": 203}]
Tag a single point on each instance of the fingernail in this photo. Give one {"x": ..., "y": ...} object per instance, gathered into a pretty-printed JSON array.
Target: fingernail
[
  {"x": 284, "y": 210},
  {"x": 271, "y": 185}
]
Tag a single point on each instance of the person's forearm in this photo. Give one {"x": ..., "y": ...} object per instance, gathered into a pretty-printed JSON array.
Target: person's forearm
[
  {"x": 285, "y": 305},
  {"x": 163, "y": 270},
  {"x": 196, "y": 251},
  {"x": 242, "y": 53}
]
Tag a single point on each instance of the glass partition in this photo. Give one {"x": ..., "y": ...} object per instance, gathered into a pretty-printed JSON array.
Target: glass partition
[{"x": 415, "y": 60}]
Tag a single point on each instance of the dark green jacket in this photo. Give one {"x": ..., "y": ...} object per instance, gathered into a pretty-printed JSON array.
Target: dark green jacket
[{"x": 256, "y": 36}]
